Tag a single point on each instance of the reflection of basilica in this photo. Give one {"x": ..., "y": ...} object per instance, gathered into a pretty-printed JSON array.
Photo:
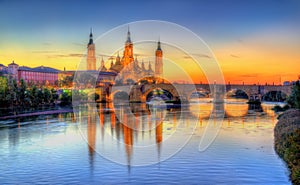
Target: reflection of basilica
[
  {"x": 127, "y": 131},
  {"x": 130, "y": 132}
]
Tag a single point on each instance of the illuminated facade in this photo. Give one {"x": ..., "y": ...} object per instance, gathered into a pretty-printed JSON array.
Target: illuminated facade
[
  {"x": 91, "y": 58},
  {"x": 129, "y": 67},
  {"x": 39, "y": 74}
]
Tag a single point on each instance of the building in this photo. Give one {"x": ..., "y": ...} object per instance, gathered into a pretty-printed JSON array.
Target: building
[
  {"x": 41, "y": 74},
  {"x": 91, "y": 58},
  {"x": 2, "y": 67},
  {"x": 126, "y": 66},
  {"x": 12, "y": 69},
  {"x": 3, "y": 70},
  {"x": 63, "y": 74}
]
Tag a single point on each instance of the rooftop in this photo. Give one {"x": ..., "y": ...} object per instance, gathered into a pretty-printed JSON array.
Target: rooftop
[{"x": 39, "y": 69}]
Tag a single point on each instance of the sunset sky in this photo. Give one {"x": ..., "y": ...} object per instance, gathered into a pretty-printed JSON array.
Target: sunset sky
[{"x": 253, "y": 41}]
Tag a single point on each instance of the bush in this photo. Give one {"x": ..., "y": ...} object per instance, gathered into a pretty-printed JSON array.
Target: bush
[{"x": 294, "y": 99}]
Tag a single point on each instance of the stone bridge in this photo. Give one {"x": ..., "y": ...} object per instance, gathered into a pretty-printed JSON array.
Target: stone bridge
[{"x": 138, "y": 93}]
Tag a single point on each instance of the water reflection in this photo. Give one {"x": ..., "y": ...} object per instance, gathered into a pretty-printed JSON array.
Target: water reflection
[
  {"x": 249, "y": 132},
  {"x": 130, "y": 132},
  {"x": 118, "y": 128}
]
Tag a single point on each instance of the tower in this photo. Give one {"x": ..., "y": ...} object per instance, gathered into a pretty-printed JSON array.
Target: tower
[
  {"x": 128, "y": 52},
  {"x": 158, "y": 61},
  {"x": 102, "y": 67},
  {"x": 13, "y": 70},
  {"x": 91, "y": 58}
]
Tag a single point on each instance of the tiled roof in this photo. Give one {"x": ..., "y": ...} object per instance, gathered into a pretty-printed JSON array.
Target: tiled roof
[{"x": 42, "y": 69}]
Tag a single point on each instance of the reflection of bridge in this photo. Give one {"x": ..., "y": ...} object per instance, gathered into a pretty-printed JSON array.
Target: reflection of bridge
[{"x": 138, "y": 93}]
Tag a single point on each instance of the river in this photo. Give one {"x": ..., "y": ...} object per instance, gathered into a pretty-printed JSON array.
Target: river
[{"x": 92, "y": 146}]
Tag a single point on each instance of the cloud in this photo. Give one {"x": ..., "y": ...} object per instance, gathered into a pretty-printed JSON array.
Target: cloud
[
  {"x": 249, "y": 75},
  {"x": 235, "y": 56},
  {"x": 75, "y": 55},
  {"x": 105, "y": 55},
  {"x": 79, "y": 55},
  {"x": 46, "y": 51},
  {"x": 197, "y": 55}
]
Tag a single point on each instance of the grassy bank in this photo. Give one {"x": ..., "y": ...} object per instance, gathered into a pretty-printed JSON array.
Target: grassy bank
[{"x": 287, "y": 141}]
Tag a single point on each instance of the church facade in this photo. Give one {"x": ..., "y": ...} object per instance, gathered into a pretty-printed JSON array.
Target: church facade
[{"x": 127, "y": 67}]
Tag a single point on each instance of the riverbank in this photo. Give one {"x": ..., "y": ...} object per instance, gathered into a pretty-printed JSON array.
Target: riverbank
[
  {"x": 36, "y": 114},
  {"x": 287, "y": 142},
  {"x": 20, "y": 112}
]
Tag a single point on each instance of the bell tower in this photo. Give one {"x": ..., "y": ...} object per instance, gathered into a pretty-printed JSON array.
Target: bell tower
[
  {"x": 158, "y": 61},
  {"x": 91, "y": 58},
  {"x": 128, "y": 52}
]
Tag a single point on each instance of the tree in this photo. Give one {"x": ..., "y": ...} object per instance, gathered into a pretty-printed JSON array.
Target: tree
[
  {"x": 40, "y": 96},
  {"x": 47, "y": 96},
  {"x": 294, "y": 99},
  {"x": 54, "y": 95},
  {"x": 12, "y": 91},
  {"x": 23, "y": 92},
  {"x": 33, "y": 96},
  {"x": 3, "y": 90},
  {"x": 66, "y": 98},
  {"x": 67, "y": 81}
]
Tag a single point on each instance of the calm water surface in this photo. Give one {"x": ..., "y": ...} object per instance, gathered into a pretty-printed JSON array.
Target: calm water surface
[{"x": 65, "y": 148}]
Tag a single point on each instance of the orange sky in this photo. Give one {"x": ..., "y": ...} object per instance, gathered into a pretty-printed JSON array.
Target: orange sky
[
  {"x": 253, "y": 41},
  {"x": 267, "y": 56}
]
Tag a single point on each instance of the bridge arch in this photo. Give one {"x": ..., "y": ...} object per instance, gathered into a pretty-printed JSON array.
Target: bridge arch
[
  {"x": 159, "y": 93},
  {"x": 238, "y": 93},
  {"x": 199, "y": 93},
  {"x": 169, "y": 89},
  {"x": 120, "y": 95}
]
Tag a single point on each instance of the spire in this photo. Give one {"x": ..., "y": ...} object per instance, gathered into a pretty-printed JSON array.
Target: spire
[
  {"x": 91, "y": 37},
  {"x": 111, "y": 64},
  {"x": 143, "y": 65},
  {"x": 102, "y": 62},
  {"x": 149, "y": 66},
  {"x": 118, "y": 59},
  {"x": 128, "y": 36},
  {"x": 158, "y": 44},
  {"x": 102, "y": 68}
]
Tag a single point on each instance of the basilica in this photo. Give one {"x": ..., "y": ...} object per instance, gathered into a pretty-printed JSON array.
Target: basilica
[{"x": 127, "y": 67}]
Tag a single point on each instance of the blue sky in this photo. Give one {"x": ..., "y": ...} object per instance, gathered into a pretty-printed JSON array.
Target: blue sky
[{"x": 211, "y": 19}]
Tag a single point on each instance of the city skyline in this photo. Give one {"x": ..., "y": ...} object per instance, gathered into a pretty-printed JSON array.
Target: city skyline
[{"x": 253, "y": 42}]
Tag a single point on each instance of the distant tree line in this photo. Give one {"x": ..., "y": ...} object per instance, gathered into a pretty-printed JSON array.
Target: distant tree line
[{"x": 22, "y": 94}]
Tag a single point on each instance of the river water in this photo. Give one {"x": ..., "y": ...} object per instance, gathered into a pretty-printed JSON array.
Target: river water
[{"x": 92, "y": 146}]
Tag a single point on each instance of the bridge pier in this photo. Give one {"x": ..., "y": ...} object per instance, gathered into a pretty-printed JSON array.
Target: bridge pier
[
  {"x": 255, "y": 98},
  {"x": 138, "y": 93}
]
